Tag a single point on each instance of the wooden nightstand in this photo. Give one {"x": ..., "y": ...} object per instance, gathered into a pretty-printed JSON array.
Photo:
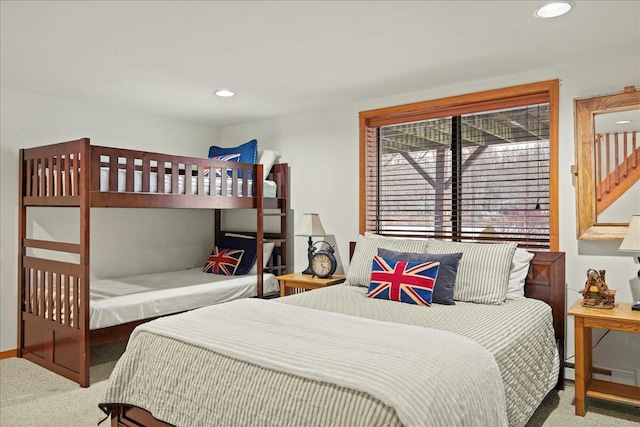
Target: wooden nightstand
[
  {"x": 620, "y": 318},
  {"x": 300, "y": 282}
]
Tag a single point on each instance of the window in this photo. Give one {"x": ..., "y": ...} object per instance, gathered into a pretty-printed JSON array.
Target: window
[{"x": 479, "y": 167}]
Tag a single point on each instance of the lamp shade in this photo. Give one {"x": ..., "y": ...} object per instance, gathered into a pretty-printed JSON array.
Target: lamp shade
[
  {"x": 631, "y": 242},
  {"x": 310, "y": 226}
]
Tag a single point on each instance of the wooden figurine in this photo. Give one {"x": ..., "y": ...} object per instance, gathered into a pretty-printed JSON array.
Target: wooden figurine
[{"x": 596, "y": 293}]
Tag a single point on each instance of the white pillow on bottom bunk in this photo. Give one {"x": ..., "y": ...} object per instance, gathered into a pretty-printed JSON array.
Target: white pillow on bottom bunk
[{"x": 267, "y": 250}]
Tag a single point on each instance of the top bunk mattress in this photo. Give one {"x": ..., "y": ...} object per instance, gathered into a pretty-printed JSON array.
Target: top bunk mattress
[
  {"x": 269, "y": 187},
  {"x": 126, "y": 299}
]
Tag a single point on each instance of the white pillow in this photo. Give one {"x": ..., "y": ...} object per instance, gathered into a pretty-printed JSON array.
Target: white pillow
[
  {"x": 267, "y": 249},
  {"x": 359, "y": 273},
  {"x": 518, "y": 273},
  {"x": 267, "y": 159}
]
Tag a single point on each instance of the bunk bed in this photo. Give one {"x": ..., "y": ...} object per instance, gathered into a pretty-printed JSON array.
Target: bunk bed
[{"x": 54, "y": 325}]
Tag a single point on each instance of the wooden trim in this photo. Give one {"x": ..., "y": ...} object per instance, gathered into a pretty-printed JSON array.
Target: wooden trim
[
  {"x": 52, "y": 246},
  {"x": 461, "y": 104},
  {"x": 553, "y": 93},
  {"x": 363, "y": 174},
  {"x": 9, "y": 353},
  {"x": 103, "y": 199},
  {"x": 533, "y": 93}
]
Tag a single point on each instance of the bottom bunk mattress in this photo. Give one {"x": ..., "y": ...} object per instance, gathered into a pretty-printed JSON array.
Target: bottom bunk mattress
[
  {"x": 480, "y": 365},
  {"x": 126, "y": 299}
]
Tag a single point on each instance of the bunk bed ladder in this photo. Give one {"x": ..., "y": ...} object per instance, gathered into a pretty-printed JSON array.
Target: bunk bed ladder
[{"x": 267, "y": 207}]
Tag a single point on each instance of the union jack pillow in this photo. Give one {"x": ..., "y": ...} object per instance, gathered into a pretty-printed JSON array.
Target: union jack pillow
[
  {"x": 404, "y": 281},
  {"x": 223, "y": 261},
  {"x": 235, "y": 157}
]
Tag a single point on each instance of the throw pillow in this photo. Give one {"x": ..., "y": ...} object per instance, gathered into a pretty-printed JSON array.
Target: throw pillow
[
  {"x": 518, "y": 274},
  {"x": 403, "y": 281},
  {"x": 443, "y": 290},
  {"x": 267, "y": 159},
  {"x": 247, "y": 245},
  {"x": 235, "y": 157},
  {"x": 248, "y": 152},
  {"x": 483, "y": 271},
  {"x": 223, "y": 261},
  {"x": 267, "y": 250}
]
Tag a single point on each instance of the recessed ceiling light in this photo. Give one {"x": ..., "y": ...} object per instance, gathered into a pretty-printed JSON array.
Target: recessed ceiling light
[
  {"x": 225, "y": 93},
  {"x": 553, "y": 9},
  {"x": 623, "y": 122}
]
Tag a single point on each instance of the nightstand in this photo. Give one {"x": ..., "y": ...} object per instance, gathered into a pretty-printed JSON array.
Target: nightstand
[
  {"x": 620, "y": 318},
  {"x": 299, "y": 282}
]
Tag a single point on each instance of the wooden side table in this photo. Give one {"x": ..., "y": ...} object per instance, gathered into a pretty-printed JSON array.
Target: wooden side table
[
  {"x": 620, "y": 318},
  {"x": 300, "y": 282}
]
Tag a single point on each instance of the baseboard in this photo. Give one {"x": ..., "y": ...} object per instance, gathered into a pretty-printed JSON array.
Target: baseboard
[
  {"x": 8, "y": 353},
  {"x": 594, "y": 369}
]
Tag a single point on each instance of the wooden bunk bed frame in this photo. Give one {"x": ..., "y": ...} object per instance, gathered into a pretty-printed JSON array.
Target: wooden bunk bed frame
[
  {"x": 545, "y": 281},
  {"x": 53, "y": 296}
]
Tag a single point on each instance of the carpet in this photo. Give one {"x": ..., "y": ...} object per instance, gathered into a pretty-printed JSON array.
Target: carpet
[{"x": 32, "y": 396}]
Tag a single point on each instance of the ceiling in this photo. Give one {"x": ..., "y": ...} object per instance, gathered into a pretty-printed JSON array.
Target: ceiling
[{"x": 284, "y": 57}]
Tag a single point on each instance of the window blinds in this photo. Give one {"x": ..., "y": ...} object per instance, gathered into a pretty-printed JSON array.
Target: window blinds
[{"x": 475, "y": 177}]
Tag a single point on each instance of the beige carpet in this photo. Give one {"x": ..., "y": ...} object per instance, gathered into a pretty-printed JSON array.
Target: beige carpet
[{"x": 32, "y": 396}]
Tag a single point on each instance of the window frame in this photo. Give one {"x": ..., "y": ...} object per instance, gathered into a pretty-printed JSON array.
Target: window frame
[{"x": 514, "y": 96}]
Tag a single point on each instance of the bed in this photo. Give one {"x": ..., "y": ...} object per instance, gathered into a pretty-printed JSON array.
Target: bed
[
  {"x": 61, "y": 314},
  {"x": 321, "y": 358}
]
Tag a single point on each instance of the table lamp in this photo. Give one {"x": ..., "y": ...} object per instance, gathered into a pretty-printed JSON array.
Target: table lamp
[{"x": 310, "y": 226}]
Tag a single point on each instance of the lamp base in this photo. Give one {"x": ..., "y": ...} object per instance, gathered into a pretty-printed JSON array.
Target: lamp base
[{"x": 310, "y": 251}]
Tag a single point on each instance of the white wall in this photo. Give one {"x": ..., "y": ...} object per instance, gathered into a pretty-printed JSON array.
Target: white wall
[
  {"x": 322, "y": 150},
  {"x": 123, "y": 241}
]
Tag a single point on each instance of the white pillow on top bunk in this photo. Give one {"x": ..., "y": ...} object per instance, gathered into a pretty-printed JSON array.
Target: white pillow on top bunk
[
  {"x": 267, "y": 160},
  {"x": 267, "y": 250}
]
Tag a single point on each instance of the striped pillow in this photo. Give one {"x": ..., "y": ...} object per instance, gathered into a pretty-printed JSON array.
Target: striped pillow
[
  {"x": 483, "y": 272},
  {"x": 359, "y": 272}
]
